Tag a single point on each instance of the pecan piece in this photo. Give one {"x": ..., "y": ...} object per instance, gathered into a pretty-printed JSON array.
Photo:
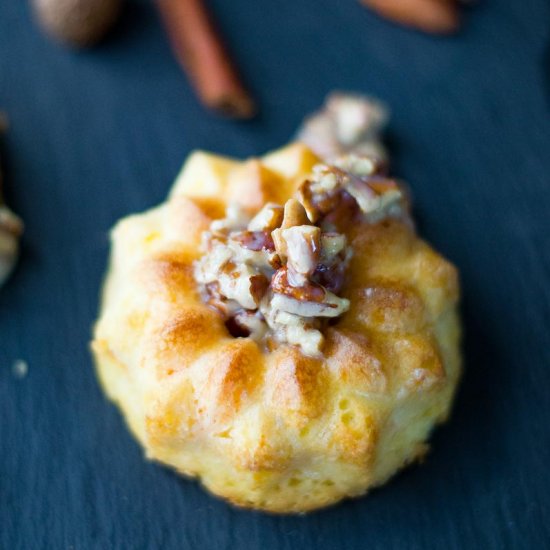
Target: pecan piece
[
  {"x": 321, "y": 196},
  {"x": 294, "y": 214},
  {"x": 246, "y": 323},
  {"x": 342, "y": 215},
  {"x": 331, "y": 306},
  {"x": 381, "y": 184},
  {"x": 216, "y": 300},
  {"x": 267, "y": 219},
  {"x": 303, "y": 246},
  {"x": 254, "y": 240},
  {"x": 310, "y": 292},
  {"x": 258, "y": 286}
]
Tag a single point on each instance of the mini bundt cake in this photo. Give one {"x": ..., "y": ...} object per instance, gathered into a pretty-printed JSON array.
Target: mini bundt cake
[{"x": 278, "y": 330}]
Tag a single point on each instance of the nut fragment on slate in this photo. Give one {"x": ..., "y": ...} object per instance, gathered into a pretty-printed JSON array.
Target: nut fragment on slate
[
  {"x": 432, "y": 16},
  {"x": 77, "y": 22}
]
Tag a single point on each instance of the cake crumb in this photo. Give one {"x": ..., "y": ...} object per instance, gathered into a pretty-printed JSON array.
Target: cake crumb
[{"x": 20, "y": 369}]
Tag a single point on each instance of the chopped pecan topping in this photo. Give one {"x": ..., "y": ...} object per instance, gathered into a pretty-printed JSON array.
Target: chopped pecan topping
[
  {"x": 347, "y": 123},
  {"x": 361, "y": 178},
  {"x": 275, "y": 276}
]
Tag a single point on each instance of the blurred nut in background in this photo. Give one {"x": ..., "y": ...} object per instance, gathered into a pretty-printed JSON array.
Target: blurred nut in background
[
  {"x": 77, "y": 22},
  {"x": 11, "y": 228},
  {"x": 432, "y": 16}
]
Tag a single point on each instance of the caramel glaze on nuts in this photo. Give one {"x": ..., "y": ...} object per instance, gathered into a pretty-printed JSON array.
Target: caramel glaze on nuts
[{"x": 275, "y": 276}]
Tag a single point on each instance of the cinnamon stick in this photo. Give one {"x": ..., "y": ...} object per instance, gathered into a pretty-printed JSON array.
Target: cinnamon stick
[{"x": 201, "y": 53}]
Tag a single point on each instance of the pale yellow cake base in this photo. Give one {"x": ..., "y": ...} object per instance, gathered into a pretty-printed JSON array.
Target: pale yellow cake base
[{"x": 280, "y": 432}]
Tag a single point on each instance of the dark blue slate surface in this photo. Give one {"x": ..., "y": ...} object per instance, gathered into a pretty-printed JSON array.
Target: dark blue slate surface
[{"x": 98, "y": 135}]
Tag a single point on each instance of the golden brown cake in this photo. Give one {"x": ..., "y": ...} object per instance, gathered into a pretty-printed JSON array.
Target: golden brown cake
[{"x": 279, "y": 331}]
